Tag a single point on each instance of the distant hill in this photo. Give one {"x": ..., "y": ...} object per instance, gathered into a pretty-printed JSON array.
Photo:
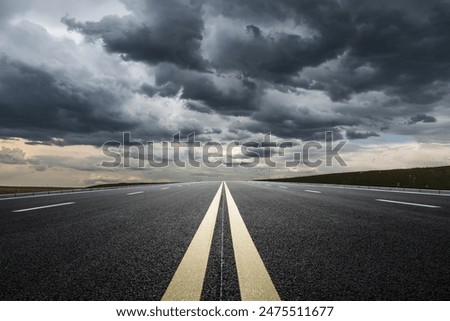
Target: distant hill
[
  {"x": 422, "y": 178},
  {"x": 40, "y": 189},
  {"x": 118, "y": 185},
  {"x": 125, "y": 184}
]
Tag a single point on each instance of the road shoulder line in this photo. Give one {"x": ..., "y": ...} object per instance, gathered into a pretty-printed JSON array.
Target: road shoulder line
[
  {"x": 42, "y": 207},
  {"x": 312, "y": 191},
  {"x": 407, "y": 203},
  {"x": 135, "y": 193}
]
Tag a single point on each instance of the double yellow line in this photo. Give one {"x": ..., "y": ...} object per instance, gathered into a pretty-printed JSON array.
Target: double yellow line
[{"x": 255, "y": 283}]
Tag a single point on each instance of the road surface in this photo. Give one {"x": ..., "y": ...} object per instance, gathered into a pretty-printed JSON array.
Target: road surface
[{"x": 233, "y": 241}]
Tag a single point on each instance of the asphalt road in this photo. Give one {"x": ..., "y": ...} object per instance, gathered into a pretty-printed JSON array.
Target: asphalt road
[{"x": 316, "y": 242}]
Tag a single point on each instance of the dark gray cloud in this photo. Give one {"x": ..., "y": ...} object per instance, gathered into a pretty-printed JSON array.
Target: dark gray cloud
[
  {"x": 279, "y": 55},
  {"x": 169, "y": 89},
  {"x": 421, "y": 118},
  {"x": 296, "y": 123},
  {"x": 254, "y": 30},
  {"x": 407, "y": 56},
  {"x": 396, "y": 47},
  {"x": 229, "y": 58},
  {"x": 410, "y": 57},
  {"x": 352, "y": 134},
  {"x": 155, "y": 31},
  {"x": 206, "y": 92},
  {"x": 37, "y": 105}
]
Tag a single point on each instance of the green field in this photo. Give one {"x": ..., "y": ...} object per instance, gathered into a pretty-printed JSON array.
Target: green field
[{"x": 421, "y": 178}]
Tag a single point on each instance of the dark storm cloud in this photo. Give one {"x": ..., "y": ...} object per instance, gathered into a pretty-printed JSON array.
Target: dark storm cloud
[
  {"x": 254, "y": 30},
  {"x": 228, "y": 58},
  {"x": 421, "y": 118},
  {"x": 36, "y": 105},
  {"x": 155, "y": 31},
  {"x": 405, "y": 43},
  {"x": 202, "y": 92},
  {"x": 410, "y": 57},
  {"x": 271, "y": 58},
  {"x": 289, "y": 122},
  {"x": 169, "y": 89},
  {"x": 396, "y": 47},
  {"x": 352, "y": 134},
  {"x": 278, "y": 56},
  {"x": 306, "y": 132}
]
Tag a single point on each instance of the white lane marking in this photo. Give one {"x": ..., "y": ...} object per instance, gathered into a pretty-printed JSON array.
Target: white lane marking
[
  {"x": 51, "y": 194},
  {"x": 282, "y": 187},
  {"x": 42, "y": 207},
  {"x": 165, "y": 188},
  {"x": 407, "y": 203},
  {"x": 311, "y": 191},
  {"x": 179, "y": 186},
  {"x": 135, "y": 193},
  {"x": 64, "y": 193},
  {"x": 371, "y": 189},
  {"x": 268, "y": 185}
]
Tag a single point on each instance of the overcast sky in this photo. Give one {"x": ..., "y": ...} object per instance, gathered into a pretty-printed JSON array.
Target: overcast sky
[{"x": 75, "y": 74}]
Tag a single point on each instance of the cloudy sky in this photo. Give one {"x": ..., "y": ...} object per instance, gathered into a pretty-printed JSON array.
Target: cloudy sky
[{"x": 75, "y": 74}]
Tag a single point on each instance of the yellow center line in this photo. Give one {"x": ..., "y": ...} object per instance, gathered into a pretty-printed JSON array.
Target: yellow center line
[
  {"x": 254, "y": 281},
  {"x": 187, "y": 282}
]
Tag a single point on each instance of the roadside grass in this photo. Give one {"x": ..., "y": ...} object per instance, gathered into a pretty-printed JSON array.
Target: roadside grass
[
  {"x": 420, "y": 178},
  {"x": 40, "y": 189},
  {"x": 30, "y": 189}
]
